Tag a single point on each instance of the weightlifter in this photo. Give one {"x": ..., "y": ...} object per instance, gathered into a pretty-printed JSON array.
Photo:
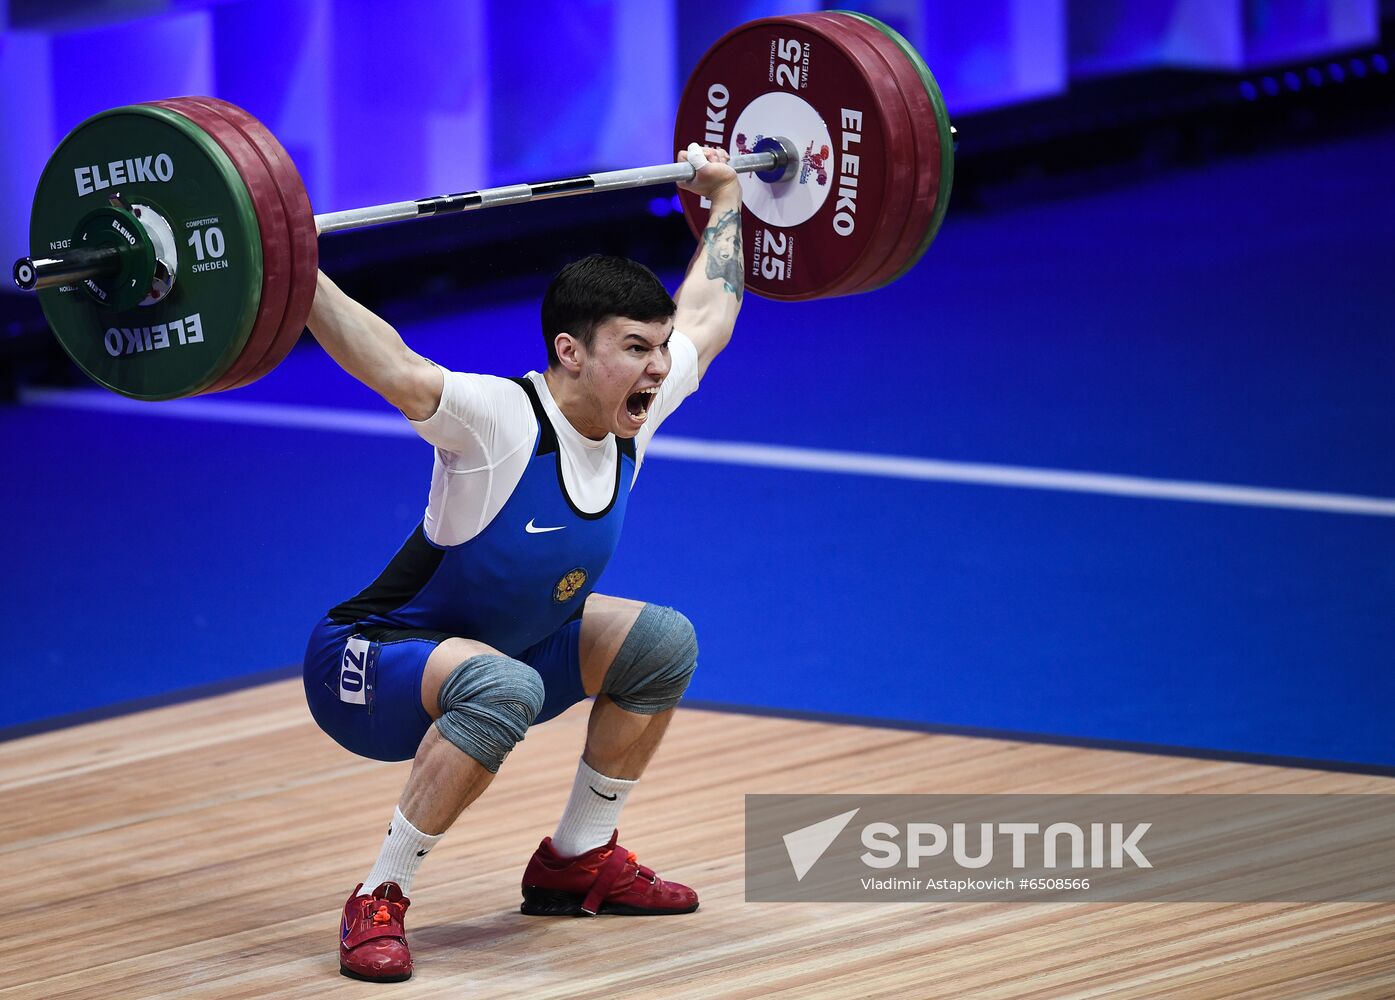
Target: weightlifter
[{"x": 485, "y": 622}]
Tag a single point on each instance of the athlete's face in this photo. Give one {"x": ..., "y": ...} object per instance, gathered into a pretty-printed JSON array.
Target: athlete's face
[{"x": 623, "y": 370}]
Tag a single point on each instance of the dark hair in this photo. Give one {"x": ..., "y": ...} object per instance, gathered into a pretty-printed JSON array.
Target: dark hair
[{"x": 589, "y": 291}]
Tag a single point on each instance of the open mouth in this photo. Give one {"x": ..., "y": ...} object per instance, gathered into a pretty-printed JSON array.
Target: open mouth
[{"x": 638, "y": 403}]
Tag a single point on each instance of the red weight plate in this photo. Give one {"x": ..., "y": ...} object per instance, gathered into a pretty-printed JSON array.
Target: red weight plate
[
  {"x": 924, "y": 149},
  {"x": 944, "y": 137},
  {"x": 898, "y": 152},
  {"x": 276, "y": 247},
  {"x": 806, "y": 237},
  {"x": 305, "y": 248}
]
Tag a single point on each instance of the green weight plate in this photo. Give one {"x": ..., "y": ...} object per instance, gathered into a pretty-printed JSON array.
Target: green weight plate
[
  {"x": 165, "y": 164},
  {"x": 942, "y": 127}
]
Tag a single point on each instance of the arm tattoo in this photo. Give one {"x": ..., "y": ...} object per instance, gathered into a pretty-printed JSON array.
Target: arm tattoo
[{"x": 723, "y": 243}]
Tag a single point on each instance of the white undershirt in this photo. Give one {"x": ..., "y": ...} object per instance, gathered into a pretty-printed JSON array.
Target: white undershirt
[{"x": 484, "y": 430}]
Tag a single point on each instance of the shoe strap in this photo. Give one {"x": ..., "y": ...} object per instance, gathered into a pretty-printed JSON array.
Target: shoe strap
[
  {"x": 382, "y": 919},
  {"x": 606, "y": 877}
]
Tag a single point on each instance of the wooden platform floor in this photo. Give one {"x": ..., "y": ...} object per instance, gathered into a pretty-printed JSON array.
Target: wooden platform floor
[{"x": 204, "y": 850}]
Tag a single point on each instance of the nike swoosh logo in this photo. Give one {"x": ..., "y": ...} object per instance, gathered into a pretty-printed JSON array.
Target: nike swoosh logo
[
  {"x": 422, "y": 854},
  {"x": 533, "y": 530},
  {"x": 608, "y": 798}
]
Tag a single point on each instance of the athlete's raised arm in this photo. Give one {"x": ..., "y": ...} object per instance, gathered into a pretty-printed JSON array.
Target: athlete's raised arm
[
  {"x": 710, "y": 296},
  {"x": 368, "y": 348}
]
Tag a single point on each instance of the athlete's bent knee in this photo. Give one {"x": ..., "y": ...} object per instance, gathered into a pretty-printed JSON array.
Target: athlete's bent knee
[
  {"x": 655, "y": 663},
  {"x": 487, "y": 704}
]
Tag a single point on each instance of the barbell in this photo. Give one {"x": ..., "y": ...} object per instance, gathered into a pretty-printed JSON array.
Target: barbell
[{"x": 174, "y": 249}]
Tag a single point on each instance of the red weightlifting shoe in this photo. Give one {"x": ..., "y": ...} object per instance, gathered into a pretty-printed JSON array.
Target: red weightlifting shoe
[
  {"x": 606, "y": 879},
  {"x": 372, "y": 940}
]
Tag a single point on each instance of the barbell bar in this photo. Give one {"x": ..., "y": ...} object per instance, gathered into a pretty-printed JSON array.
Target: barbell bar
[{"x": 777, "y": 161}]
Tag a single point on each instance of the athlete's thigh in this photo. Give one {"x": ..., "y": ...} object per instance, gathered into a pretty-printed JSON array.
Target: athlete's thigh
[
  {"x": 442, "y": 663},
  {"x": 365, "y": 686},
  {"x": 605, "y": 623}
]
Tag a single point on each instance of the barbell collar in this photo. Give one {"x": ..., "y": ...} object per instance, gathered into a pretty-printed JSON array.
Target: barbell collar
[
  {"x": 777, "y": 162},
  {"x": 32, "y": 274}
]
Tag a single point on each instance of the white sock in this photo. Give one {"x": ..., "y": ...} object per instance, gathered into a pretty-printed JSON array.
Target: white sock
[
  {"x": 398, "y": 861},
  {"x": 592, "y": 811}
]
